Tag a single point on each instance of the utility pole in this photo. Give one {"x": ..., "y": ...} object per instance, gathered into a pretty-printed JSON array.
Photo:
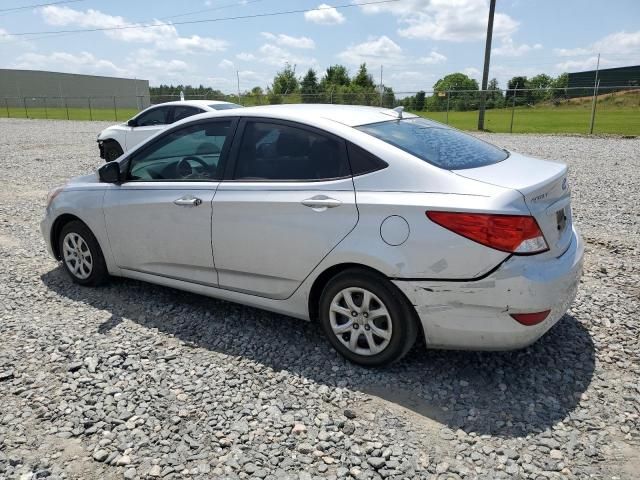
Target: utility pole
[
  {"x": 485, "y": 72},
  {"x": 238, "y": 78},
  {"x": 596, "y": 84},
  {"x": 381, "y": 87}
]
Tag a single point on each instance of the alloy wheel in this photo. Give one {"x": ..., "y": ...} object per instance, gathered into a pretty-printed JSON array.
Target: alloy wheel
[
  {"x": 361, "y": 321},
  {"x": 77, "y": 256}
]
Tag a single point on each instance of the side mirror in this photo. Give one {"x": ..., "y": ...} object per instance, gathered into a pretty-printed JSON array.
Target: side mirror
[
  {"x": 109, "y": 172},
  {"x": 132, "y": 123}
]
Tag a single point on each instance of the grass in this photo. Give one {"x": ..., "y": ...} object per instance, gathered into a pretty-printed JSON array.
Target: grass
[
  {"x": 546, "y": 120},
  {"x": 107, "y": 114},
  {"x": 615, "y": 114}
]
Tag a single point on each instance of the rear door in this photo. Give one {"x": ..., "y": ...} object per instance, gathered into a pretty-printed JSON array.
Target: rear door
[
  {"x": 159, "y": 220},
  {"x": 148, "y": 123},
  {"x": 287, "y": 200}
]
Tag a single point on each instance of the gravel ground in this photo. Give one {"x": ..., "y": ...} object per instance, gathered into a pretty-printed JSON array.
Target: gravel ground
[{"x": 138, "y": 381}]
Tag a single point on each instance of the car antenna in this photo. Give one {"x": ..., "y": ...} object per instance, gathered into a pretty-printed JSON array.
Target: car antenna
[{"x": 399, "y": 111}]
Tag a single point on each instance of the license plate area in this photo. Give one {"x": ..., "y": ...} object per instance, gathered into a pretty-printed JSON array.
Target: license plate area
[{"x": 562, "y": 218}]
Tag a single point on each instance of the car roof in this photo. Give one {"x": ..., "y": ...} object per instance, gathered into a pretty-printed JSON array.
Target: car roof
[
  {"x": 350, "y": 115},
  {"x": 197, "y": 103}
]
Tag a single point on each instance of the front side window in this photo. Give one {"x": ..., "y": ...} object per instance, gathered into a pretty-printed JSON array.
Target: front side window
[
  {"x": 191, "y": 153},
  {"x": 271, "y": 151},
  {"x": 155, "y": 116},
  {"x": 180, "y": 112},
  {"x": 437, "y": 144}
]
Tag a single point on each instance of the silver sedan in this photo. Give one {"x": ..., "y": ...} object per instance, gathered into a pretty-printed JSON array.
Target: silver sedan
[{"x": 378, "y": 224}]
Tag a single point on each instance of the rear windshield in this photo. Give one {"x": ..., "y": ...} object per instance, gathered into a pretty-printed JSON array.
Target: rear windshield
[
  {"x": 224, "y": 106},
  {"x": 435, "y": 143}
]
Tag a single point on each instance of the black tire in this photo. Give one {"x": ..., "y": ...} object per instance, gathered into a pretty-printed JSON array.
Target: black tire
[
  {"x": 402, "y": 317},
  {"x": 112, "y": 150},
  {"x": 98, "y": 270}
]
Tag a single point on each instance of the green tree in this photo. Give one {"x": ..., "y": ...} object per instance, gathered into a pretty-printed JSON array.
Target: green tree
[
  {"x": 363, "y": 79},
  {"x": 560, "y": 85},
  {"x": 516, "y": 87},
  {"x": 309, "y": 87},
  {"x": 418, "y": 101},
  {"x": 495, "y": 97},
  {"x": 336, "y": 75},
  {"x": 540, "y": 83},
  {"x": 285, "y": 81},
  {"x": 451, "y": 85}
]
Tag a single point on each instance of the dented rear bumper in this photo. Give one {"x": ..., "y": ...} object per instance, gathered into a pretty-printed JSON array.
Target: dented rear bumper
[{"x": 475, "y": 314}]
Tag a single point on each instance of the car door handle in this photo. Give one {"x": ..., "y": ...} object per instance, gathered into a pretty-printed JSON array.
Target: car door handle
[
  {"x": 321, "y": 202},
  {"x": 188, "y": 201}
]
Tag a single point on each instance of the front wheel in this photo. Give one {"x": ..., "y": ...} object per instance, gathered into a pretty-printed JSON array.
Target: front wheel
[
  {"x": 367, "y": 319},
  {"x": 81, "y": 255}
]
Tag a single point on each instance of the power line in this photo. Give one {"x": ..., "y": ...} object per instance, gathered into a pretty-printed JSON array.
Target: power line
[
  {"x": 209, "y": 20},
  {"x": 220, "y": 7},
  {"x": 25, "y": 7}
]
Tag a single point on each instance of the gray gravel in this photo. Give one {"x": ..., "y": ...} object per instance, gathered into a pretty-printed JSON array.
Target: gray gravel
[{"x": 138, "y": 381}]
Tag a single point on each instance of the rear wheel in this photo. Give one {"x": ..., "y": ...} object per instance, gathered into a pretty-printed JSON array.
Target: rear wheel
[
  {"x": 366, "y": 318},
  {"x": 112, "y": 150},
  {"x": 81, "y": 255}
]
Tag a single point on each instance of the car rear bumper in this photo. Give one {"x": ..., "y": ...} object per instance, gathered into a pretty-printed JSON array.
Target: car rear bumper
[{"x": 474, "y": 315}]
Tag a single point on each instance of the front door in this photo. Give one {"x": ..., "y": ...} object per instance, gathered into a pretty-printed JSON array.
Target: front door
[
  {"x": 289, "y": 201},
  {"x": 159, "y": 220}
]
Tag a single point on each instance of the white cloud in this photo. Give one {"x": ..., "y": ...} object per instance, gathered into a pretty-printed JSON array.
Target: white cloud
[
  {"x": 433, "y": 58},
  {"x": 450, "y": 20},
  {"x": 615, "y": 43},
  {"x": 327, "y": 15},
  {"x": 246, "y": 57},
  {"x": 472, "y": 72},
  {"x": 378, "y": 49},
  {"x": 277, "y": 56},
  {"x": 226, "y": 64},
  {"x": 83, "y": 62},
  {"x": 508, "y": 48},
  {"x": 163, "y": 36},
  {"x": 617, "y": 49},
  {"x": 289, "y": 41}
]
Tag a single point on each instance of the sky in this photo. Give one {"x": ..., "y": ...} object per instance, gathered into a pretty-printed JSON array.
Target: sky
[{"x": 415, "y": 41}]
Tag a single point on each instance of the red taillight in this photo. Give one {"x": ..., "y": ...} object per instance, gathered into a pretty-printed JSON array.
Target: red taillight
[
  {"x": 530, "y": 319},
  {"x": 508, "y": 233}
]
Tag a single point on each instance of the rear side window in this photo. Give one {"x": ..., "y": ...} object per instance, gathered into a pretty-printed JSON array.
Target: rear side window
[
  {"x": 180, "y": 112},
  {"x": 276, "y": 152},
  {"x": 362, "y": 161},
  {"x": 435, "y": 143}
]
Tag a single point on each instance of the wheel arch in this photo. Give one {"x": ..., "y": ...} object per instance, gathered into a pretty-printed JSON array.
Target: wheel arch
[
  {"x": 57, "y": 227},
  {"x": 321, "y": 281}
]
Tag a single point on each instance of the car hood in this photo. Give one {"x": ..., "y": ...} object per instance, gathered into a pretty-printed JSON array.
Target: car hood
[
  {"x": 110, "y": 130},
  {"x": 83, "y": 181}
]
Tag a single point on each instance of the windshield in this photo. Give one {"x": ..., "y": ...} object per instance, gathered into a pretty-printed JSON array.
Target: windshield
[
  {"x": 224, "y": 106},
  {"x": 435, "y": 143}
]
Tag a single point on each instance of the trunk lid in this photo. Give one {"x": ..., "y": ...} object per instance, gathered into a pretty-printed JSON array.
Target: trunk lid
[{"x": 543, "y": 184}]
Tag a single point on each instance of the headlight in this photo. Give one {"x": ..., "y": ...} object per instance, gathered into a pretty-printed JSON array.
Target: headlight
[{"x": 53, "y": 193}]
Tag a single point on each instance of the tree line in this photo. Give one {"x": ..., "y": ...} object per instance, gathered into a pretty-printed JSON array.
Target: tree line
[
  {"x": 458, "y": 91},
  {"x": 455, "y": 91}
]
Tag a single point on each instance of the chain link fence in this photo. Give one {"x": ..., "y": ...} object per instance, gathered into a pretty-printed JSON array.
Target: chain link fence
[{"x": 611, "y": 110}]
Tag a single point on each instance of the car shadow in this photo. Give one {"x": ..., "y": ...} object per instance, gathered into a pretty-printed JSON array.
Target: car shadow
[{"x": 500, "y": 393}]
